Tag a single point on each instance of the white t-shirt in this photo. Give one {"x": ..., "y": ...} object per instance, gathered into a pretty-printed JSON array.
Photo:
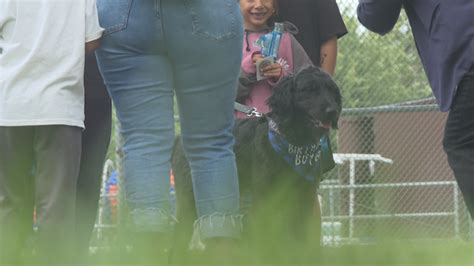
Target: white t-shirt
[{"x": 42, "y": 50}]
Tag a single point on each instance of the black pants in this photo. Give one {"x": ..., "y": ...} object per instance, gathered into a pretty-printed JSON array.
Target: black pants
[
  {"x": 95, "y": 142},
  {"x": 38, "y": 166},
  {"x": 459, "y": 140}
]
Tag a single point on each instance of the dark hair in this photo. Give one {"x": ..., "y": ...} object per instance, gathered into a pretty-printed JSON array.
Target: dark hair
[{"x": 274, "y": 18}]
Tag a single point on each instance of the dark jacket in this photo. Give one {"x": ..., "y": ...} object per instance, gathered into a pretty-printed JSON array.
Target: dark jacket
[{"x": 443, "y": 32}]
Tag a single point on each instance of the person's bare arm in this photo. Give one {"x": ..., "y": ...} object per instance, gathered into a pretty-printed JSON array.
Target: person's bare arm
[
  {"x": 329, "y": 55},
  {"x": 92, "y": 46}
]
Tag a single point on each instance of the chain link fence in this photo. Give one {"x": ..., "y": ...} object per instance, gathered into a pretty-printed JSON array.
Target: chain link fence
[{"x": 392, "y": 180}]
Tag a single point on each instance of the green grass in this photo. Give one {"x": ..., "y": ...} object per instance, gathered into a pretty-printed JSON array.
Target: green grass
[
  {"x": 266, "y": 251},
  {"x": 387, "y": 254},
  {"x": 402, "y": 253}
]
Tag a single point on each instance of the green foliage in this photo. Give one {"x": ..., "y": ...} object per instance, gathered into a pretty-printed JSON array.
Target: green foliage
[
  {"x": 375, "y": 70},
  {"x": 434, "y": 253}
]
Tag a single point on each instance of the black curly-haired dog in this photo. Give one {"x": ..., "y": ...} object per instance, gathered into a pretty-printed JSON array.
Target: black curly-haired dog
[{"x": 304, "y": 107}]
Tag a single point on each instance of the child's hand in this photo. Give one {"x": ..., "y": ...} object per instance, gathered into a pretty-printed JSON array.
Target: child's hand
[
  {"x": 272, "y": 71},
  {"x": 257, "y": 57}
]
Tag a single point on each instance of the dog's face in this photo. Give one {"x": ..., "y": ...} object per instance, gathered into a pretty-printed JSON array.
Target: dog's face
[
  {"x": 306, "y": 105},
  {"x": 317, "y": 96}
]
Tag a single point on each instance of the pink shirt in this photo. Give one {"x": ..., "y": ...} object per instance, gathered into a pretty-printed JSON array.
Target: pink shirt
[{"x": 262, "y": 89}]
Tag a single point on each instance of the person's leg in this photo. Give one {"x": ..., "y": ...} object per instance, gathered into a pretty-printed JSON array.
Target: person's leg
[
  {"x": 459, "y": 140},
  {"x": 16, "y": 194},
  {"x": 138, "y": 76},
  {"x": 57, "y": 155},
  {"x": 205, "y": 75},
  {"x": 95, "y": 142}
]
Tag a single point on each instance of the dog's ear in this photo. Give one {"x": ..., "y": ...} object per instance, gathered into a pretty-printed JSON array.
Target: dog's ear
[
  {"x": 335, "y": 122},
  {"x": 281, "y": 100}
]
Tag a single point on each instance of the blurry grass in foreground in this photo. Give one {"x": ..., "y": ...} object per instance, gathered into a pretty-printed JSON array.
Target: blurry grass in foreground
[
  {"x": 449, "y": 253},
  {"x": 402, "y": 253},
  {"x": 262, "y": 249}
]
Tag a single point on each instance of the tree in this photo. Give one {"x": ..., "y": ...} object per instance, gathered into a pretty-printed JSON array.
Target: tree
[{"x": 373, "y": 70}]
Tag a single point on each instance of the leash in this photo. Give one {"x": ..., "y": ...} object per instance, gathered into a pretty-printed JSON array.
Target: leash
[{"x": 248, "y": 110}]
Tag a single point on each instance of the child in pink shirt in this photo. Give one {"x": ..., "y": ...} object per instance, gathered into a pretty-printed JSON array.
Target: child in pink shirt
[{"x": 258, "y": 16}]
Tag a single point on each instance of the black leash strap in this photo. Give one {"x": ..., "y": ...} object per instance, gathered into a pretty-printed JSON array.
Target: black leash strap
[{"x": 249, "y": 111}]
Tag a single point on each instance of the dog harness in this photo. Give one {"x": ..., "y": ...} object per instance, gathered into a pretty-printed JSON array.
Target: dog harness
[{"x": 310, "y": 161}]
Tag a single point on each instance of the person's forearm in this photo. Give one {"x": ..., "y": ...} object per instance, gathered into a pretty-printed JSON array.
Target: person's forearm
[
  {"x": 329, "y": 56},
  {"x": 92, "y": 46},
  {"x": 379, "y": 16}
]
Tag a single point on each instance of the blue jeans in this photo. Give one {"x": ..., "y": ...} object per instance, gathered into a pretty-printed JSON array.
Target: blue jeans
[{"x": 151, "y": 51}]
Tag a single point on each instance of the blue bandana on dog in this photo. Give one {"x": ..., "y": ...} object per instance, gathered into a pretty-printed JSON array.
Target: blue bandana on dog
[{"x": 310, "y": 160}]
